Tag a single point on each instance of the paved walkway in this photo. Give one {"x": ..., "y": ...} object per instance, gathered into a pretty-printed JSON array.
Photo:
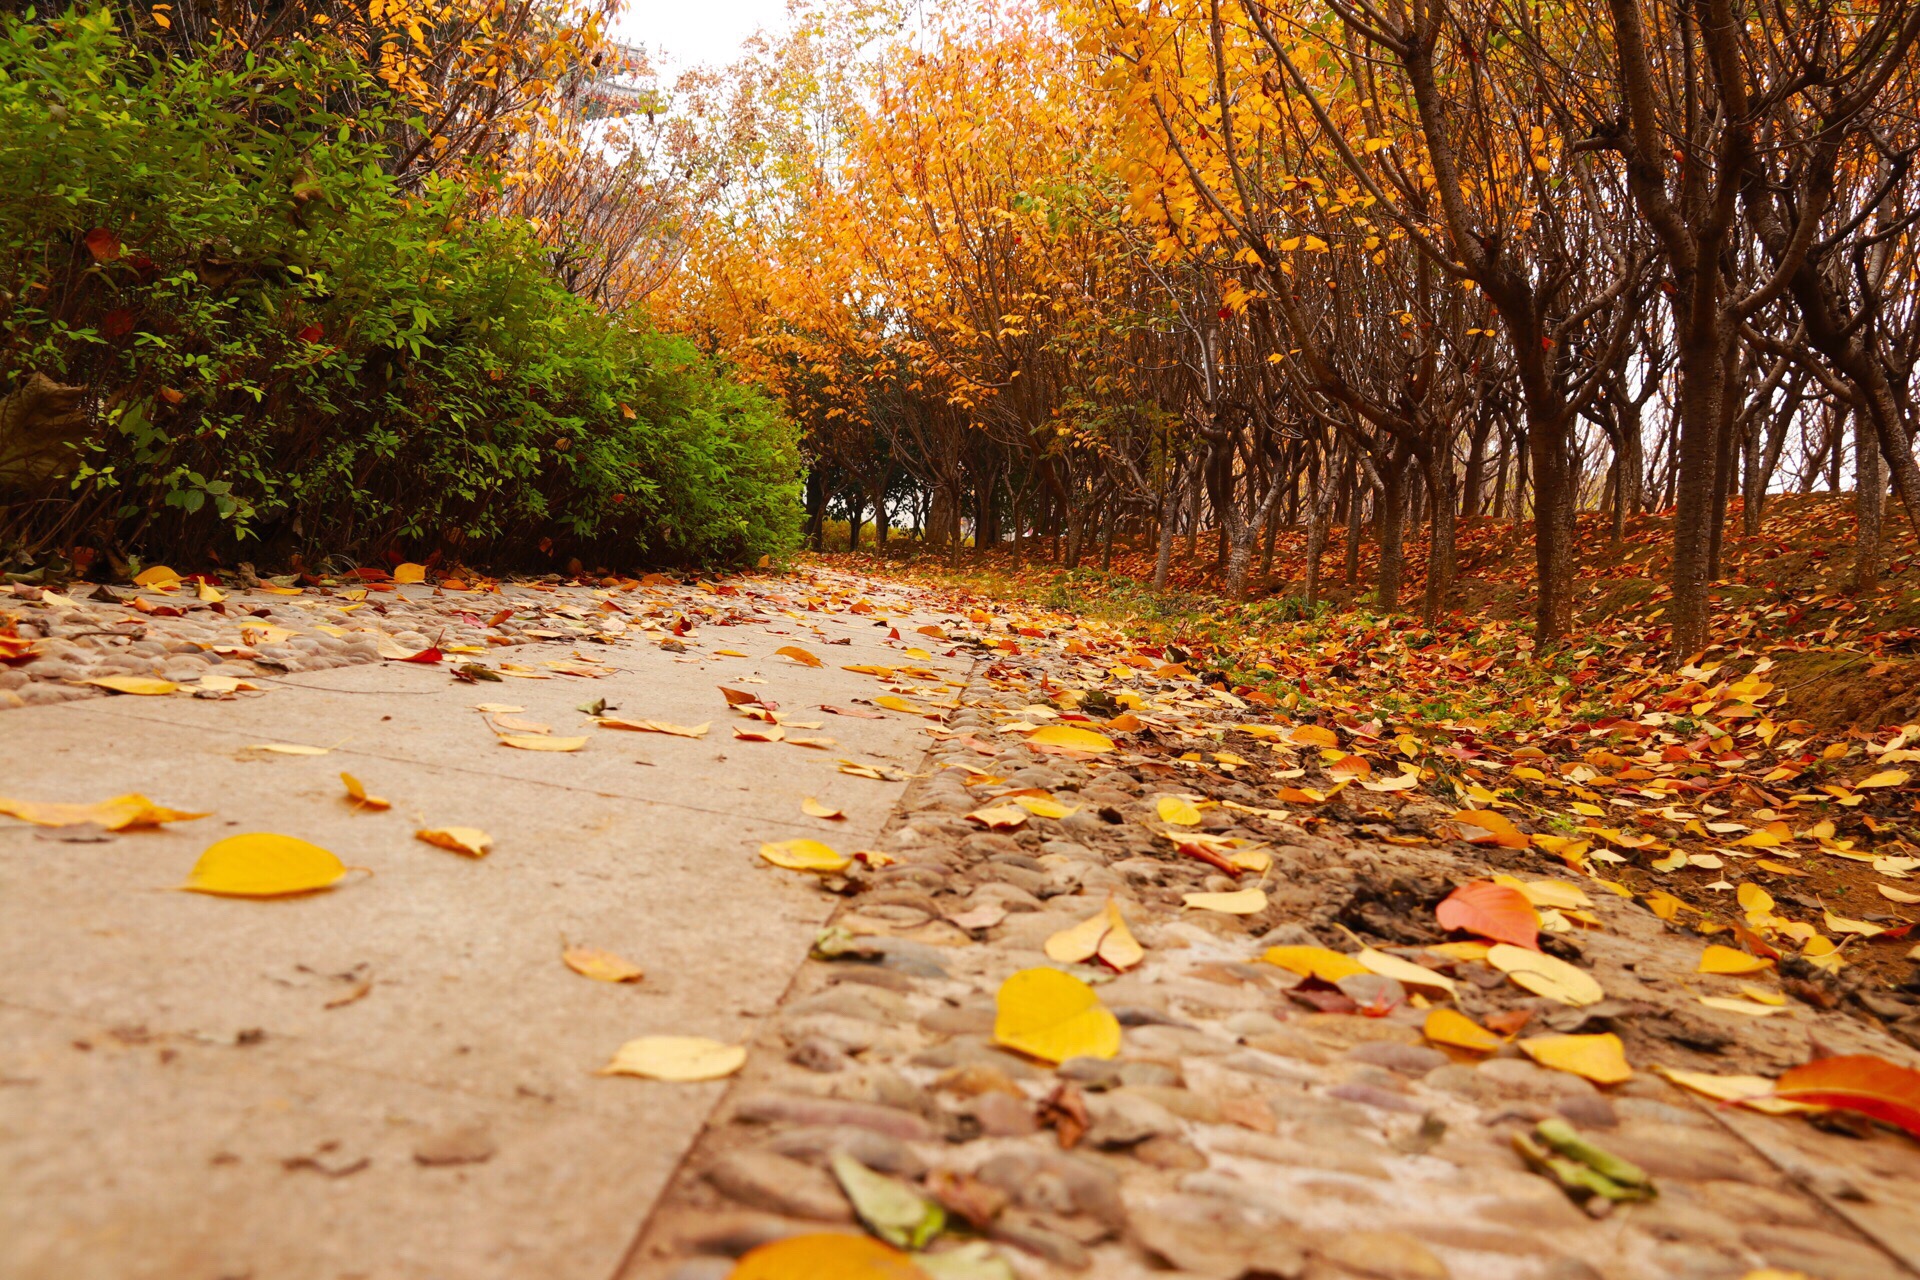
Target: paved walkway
[{"x": 198, "y": 1087}]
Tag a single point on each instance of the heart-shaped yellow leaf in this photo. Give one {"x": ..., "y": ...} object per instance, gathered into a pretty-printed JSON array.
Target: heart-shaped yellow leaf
[
  {"x": 158, "y": 576},
  {"x": 676, "y": 1058},
  {"x": 1053, "y": 1016},
  {"x": 1068, "y": 737},
  {"x": 1546, "y": 975},
  {"x": 144, "y": 686},
  {"x": 358, "y": 793},
  {"x": 408, "y": 573},
  {"x": 816, "y": 809},
  {"x": 798, "y": 654},
  {"x": 1245, "y": 902},
  {"x": 1179, "y": 811},
  {"x": 805, "y": 855},
  {"x": 471, "y": 841},
  {"x": 601, "y": 966},
  {"x": 540, "y": 742},
  {"x": 1599, "y": 1058},
  {"x": 263, "y": 865}
]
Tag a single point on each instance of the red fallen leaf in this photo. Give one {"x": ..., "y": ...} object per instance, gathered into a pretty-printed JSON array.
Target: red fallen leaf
[
  {"x": 312, "y": 333},
  {"x": 499, "y": 617},
  {"x": 849, "y": 711},
  {"x": 368, "y": 575},
  {"x": 1857, "y": 1082},
  {"x": 1495, "y": 911},
  {"x": 429, "y": 654},
  {"x": 102, "y": 244},
  {"x": 117, "y": 323},
  {"x": 1211, "y": 858}
]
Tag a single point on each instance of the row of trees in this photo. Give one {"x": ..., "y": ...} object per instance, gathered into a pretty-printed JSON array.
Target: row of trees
[{"x": 1073, "y": 264}]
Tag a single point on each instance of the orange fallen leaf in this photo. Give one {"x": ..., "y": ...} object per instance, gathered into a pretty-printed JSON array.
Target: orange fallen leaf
[
  {"x": 1857, "y": 1082},
  {"x": 601, "y": 966},
  {"x": 1494, "y": 911}
]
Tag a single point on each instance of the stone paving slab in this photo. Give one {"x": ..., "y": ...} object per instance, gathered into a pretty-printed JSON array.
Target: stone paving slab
[{"x": 177, "y": 1096}]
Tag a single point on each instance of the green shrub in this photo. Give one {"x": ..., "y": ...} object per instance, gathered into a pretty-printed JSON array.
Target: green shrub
[{"x": 285, "y": 351}]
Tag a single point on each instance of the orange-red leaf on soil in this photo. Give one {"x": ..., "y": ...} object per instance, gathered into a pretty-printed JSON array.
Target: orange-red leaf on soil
[
  {"x": 1495, "y": 911},
  {"x": 1857, "y": 1082}
]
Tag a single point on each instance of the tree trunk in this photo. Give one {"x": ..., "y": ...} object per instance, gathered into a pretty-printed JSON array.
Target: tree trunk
[
  {"x": 1389, "y": 521},
  {"x": 1440, "y": 545},
  {"x": 1869, "y": 501},
  {"x": 816, "y": 508},
  {"x": 1317, "y": 533},
  {"x": 880, "y": 513},
  {"x": 1702, "y": 391},
  {"x": 1163, "y": 553},
  {"x": 1553, "y": 530},
  {"x": 856, "y": 516},
  {"x": 1350, "y": 560}
]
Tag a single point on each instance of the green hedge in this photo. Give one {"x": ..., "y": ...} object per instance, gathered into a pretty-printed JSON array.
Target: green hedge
[{"x": 285, "y": 351}]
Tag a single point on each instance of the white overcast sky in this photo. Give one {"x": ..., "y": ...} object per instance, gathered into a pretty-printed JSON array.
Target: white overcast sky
[{"x": 692, "y": 32}]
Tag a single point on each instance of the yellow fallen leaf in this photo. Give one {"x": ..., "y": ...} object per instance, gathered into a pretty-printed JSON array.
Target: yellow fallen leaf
[
  {"x": 1546, "y": 975},
  {"x": 358, "y": 793},
  {"x": 290, "y": 749},
  {"x": 1179, "y": 811},
  {"x": 1119, "y": 950},
  {"x": 772, "y": 733},
  {"x": 1763, "y": 995},
  {"x": 1071, "y": 738},
  {"x": 676, "y": 1058},
  {"x": 1079, "y": 942},
  {"x": 1840, "y": 924},
  {"x": 540, "y": 742},
  {"x": 818, "y": 744},
  {"x": 1752, "y": 1092},
  {"x": 117, "y": 814},
  {"x": 805, "y": 855},
  {"x": 1312, "y": 735},
  {"x": 815, "y": 809},
  {"x": 263, "y": 865},
  {"x": 159, "y": 575},
  {"x": 654, "y": 726},
  {"x": 894, "y": 703},
  {"x": 1003, "y": 817},
  {"x": 798, "y": 654},
  {"x": 471, "y": 841},
  {"x": 1486, "y": 826},
  {"x": 1053, "y": 1016},
  {"x": 601, "y": 966},
  {"x": 1461, "y": 950},
  {"x": 1729, "y": 1004},
  {"x": 1599, "y": 1058},
  {"x": 1456, "y": 1030},
  {"x": 408, "y": 573},
  {"x": 1314, "y": 962},
  {"x": 1892, "y": 894},
  {"x": 1405, "y": 972},
  {"x": 144, "y": 686},
  {"x": 209, "y": 594},
  {"x": 1558, "y": 894},
  {"x": 1726, "y": 960},
  {"x": 1664, "y": 904},
  {"x": 1245, "y": 902},
  {"x": 1044, "y": 806},
  {"x": 1885, "y": 778}
]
